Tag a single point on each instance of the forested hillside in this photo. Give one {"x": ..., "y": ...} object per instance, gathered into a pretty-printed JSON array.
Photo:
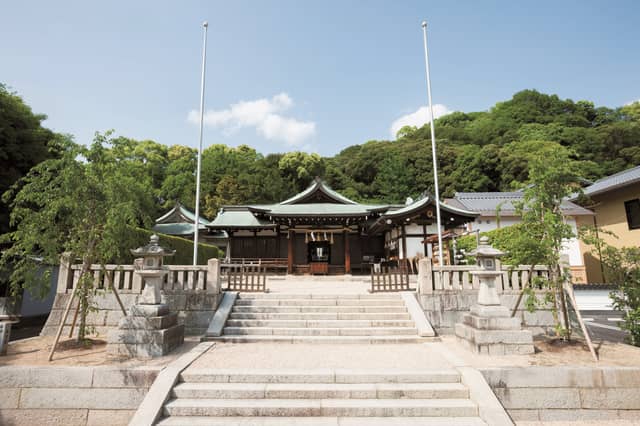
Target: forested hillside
[
  {"x": 489, "y": 151},
  {"x": 477, "y": 151}
]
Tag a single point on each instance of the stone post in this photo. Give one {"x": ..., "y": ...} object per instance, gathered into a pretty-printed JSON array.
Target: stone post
[
  {"x": 425, "y": 276},
  {"x": 489, "y": 328},
  {"x": 64, "y": 273},
  {"x": 213, "y": 276}
]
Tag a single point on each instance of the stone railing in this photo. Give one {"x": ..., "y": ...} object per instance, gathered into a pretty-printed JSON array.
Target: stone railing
[
  {"x": 458, "y": 277},
  {"x": 180, "y": 277},
  {"x": 192, "y": 291}
]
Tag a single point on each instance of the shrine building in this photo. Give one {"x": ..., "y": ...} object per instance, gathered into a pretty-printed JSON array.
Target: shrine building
[{"x": 320, "y": 231}]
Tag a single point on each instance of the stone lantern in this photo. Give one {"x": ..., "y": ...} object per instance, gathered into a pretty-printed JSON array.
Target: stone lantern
[
  {"x": 149, "y": 329},
  {"x": 151, "y": 270},
  {"x": 487, "y": 257},
  {"x": 489, "y": 328}
]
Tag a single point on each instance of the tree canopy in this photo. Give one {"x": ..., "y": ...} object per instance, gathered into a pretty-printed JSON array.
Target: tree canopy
[{"x": 24, "y": 142}]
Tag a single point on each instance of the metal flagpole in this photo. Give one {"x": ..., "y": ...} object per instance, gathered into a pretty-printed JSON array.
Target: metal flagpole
[
  {"x": 433, "y": 144},
  {"x": 196, "y": 222}
]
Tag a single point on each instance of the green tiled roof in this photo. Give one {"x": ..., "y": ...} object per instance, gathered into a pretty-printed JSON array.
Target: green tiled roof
[
  {"x": 317, "y": 209},
  {"x": 176, "y": 228},
  {"x": 329, "y": 205},
  {"x": 238, "y": 218},
  {"x": 425, "y": 202}
]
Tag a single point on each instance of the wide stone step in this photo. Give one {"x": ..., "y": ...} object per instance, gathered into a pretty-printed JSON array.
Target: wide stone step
[
  {"x": 337, "y": 340},
  {"x": 335, "y": 331},
  {"x": 352, "y": 376},
  {"x": 321, "y": 421},
  {"x": 319, "y": 316},
  {"x": 320, "y": 302},
  {"x": 317, "y": 323},
  {"x": 320, "y": 390},
  {"x": 322, "y": 407},
  {"x": 320, "y": 309}
]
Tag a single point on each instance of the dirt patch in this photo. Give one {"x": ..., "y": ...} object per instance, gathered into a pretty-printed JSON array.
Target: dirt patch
[
  {"x": 35, "y": 351},
  {"x": 550, "y": 352}
]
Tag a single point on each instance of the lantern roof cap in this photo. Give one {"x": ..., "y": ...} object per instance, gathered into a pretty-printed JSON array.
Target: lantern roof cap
[
  {"x": 486, "y": 250},
  {"x": 152, "y": 249}
]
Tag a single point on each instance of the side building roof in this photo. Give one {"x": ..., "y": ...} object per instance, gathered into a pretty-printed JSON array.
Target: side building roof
[
  {"x": 609, "y": 183},
  {"x": 488, "y": 203},
  {"x": 179, "y": 221}
]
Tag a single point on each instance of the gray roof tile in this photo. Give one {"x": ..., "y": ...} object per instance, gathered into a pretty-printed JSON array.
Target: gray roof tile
[{"x": 487, "y": 203}]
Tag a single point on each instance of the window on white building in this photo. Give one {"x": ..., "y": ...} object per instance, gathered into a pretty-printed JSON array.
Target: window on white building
[{"x": 632, "y": 208}]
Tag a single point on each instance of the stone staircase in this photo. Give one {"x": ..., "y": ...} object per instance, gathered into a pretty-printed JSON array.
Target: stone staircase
[
  {"x": 320, "y": 397},
  {"x": 320, "y": 318}
]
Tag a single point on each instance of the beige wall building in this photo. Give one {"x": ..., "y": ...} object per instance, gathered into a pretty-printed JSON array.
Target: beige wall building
[{"x": 615, "y": 200}]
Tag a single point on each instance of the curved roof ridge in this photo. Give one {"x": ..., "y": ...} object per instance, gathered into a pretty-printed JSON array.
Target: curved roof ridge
[{"x": 319, "y": 185}]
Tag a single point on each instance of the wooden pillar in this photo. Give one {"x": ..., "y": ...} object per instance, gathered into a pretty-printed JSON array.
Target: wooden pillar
[
  {"x": 424, "y": 241},
  {"x": 347, "y": 254},
  {"x": 404, "y": 243},
  {"x": 291, "y": 236}
]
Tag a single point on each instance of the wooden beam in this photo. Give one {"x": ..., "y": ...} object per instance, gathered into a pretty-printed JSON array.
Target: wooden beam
[
  {"x": 292, "y": 235},
  {"x": 347, "y": 253}
]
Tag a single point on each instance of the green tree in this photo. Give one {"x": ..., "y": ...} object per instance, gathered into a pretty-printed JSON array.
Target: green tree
[
  {"x": 180, "y": 181},
  {"x": 84, "y": 203},
  {"x": 301, "y": 168},
  {"x": 23, "y": 144},
  {"x": 553, "y": 176}
]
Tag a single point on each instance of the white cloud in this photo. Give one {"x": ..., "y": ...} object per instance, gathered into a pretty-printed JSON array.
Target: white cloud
[
  {"x": 265, "y": 116},
  {"x": 418, "y": 118},
  {"x": 632, "y": 102}
]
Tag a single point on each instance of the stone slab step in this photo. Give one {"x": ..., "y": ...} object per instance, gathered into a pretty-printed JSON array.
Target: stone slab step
[
  {"x": 322, "y": 407},
  {"x": 319, "y": 316},
  {"x": 320, "y": 390},
  {"x": 347, "y": 308},
  {"x": 362, "y": 340},
  {"x": 321, "y": 421},
  {"x": 313, "y": 331},
  {"x": 320, "y": 302},
  {"x": 318, "y": 323},
  {"x": 245, "y": 296},
  {"x": 326, "y": 375}
]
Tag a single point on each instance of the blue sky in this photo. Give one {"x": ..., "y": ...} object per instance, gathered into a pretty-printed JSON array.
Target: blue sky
[{"x": 317, "y": 76}]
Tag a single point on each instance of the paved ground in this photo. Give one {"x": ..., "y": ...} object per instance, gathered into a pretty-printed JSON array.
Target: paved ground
[
  {"x": 315, "y": 356},
  {"x": 604, "y": 325}
]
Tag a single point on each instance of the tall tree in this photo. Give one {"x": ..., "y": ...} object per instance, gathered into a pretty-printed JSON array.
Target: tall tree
[{"x": 553, "y": 176}]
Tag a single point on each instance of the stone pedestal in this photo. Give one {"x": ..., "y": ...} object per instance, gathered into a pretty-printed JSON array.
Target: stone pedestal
[
  {"x": 147, "y": 331},
  {"x": 489, "y": 328},
  {"x": 494, "y": 332}
]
